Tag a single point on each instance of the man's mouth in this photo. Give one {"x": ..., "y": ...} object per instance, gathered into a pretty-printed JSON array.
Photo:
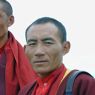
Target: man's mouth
[{"x": 40, "y": 62}]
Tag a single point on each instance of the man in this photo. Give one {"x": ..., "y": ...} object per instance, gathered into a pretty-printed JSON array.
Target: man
[
  {"x": 15, "y": 70},
  {"x": 46, "y": 45}
]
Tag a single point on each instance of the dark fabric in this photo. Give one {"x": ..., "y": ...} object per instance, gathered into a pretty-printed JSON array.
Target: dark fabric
[
  {"x": 2, "y": 73},
  {"x": 28, "y": 89}
]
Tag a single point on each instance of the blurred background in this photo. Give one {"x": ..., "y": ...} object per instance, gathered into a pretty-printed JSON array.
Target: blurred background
[{"x": 78, "y": 16}]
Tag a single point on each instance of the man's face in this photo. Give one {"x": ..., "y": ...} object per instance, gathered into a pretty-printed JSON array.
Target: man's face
[
  {"x": 44, "y": 48},
  {"x": 3, "y": 22}
]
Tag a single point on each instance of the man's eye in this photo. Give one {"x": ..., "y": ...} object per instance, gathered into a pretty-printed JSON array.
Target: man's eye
[
  {"x": 32, "y": 43},
  {"x": 48, "y": 42}
]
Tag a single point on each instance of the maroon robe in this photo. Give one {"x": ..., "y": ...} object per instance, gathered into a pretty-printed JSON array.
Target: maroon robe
[
  {"x": 83, "y": 85},
  {"x": 2, "y": 72},
  {"x": 18, "y": 71}
]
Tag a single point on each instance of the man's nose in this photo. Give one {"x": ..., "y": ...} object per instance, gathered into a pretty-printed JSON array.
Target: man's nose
[{"x": 39, "y": 51}]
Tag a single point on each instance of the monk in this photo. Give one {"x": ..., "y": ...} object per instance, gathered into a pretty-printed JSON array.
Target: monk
[
  {"x": 46, "y": 45},
  {"x": 15, "y": 70}
]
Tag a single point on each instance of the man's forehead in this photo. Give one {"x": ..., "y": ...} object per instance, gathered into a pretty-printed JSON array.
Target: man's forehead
[
  {"x": 42, "y": 29},
  {"x": 42, "y": 39},
  {"x": 43, "y": 36},
  {"x": 42, "y": 26}
]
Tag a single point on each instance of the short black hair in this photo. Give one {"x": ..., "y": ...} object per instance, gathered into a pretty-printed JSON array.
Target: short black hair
[
  {"x": 7, "y": 8},
  {"x": 59, "y": 25}
]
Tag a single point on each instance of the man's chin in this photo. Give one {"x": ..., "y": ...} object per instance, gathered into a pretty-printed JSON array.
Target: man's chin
[{"x": 42, "y": 72}]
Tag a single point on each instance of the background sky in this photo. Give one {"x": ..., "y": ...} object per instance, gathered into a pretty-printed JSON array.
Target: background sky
[{"x": 78, "y": 16}]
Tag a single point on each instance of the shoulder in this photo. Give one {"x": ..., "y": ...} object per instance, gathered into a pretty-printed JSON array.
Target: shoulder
[
  {"x": 84, "y": 78},
  {"x": 84, "y": 84}
]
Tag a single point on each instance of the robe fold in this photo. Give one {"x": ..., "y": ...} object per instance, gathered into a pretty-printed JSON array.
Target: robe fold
[{"x": 18, "y": 71}]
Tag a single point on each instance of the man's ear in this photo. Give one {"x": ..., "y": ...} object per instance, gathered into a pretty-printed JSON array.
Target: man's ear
[
  {"x": 66, "y": 47},
  {"x": 10, "y": 20}
]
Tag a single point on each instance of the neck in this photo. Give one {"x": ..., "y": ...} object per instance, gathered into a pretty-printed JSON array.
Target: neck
[{"x": 3, "y": 40}]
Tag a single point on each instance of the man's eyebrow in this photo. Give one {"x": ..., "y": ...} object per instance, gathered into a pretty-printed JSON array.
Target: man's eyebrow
[
  {"x": 31, "y": 40},
  {"x": 48, "y": 38}
]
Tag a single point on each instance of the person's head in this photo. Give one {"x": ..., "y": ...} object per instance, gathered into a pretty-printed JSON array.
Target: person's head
[
  {"x": 6, "y": 17},
  {"x": 46, "y": 45}
]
